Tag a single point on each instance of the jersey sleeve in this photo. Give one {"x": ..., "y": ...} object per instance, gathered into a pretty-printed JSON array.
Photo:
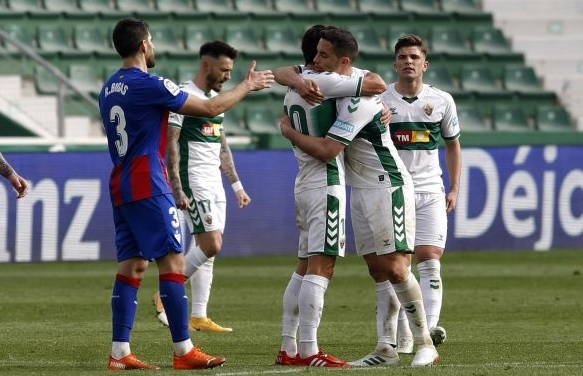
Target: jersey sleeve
[
  {"x": 166, "y": 93},
  {"x": 334, "y": 85},
  {"x": 354, "y": 113},
  {"x": 450, "y": 127}
]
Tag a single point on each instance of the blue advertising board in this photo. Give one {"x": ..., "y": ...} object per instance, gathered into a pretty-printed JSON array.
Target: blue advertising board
[{"x": 511, "y": 198}]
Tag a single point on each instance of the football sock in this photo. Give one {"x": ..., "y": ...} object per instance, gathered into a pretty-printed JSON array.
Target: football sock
[
  {"x": 194, "y": 258},
  {"x": 387, "y": 312},
  {"x": 183, "y": 347},
  {"x": 403, "y": 324},
  {"x": 124, "y": 305},
  {"x": 173, "y": 294},
  {"x": 311, "y": 304},
  {"x": 120, "y": 349},
  {"x": 290, "y": 318},
  {"x": 409, "y": 294},
  {"x": 431, "y": 289},
  {"x": 201, "y": 282}
]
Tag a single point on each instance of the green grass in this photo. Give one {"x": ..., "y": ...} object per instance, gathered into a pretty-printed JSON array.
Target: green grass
[{"x": 506, "y": 313}]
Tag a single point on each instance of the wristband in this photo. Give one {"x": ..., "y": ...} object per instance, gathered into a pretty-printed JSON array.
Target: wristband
[{"x": 237, "y": 186}]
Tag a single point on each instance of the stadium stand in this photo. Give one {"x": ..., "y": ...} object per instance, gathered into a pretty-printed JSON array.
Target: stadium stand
[{"x": 476, "y": 54}]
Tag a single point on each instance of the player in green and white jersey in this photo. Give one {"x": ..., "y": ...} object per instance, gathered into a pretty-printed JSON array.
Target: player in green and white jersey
[
  {"x": 382, "y": 192},
  {"x": 197, "y": 153}
]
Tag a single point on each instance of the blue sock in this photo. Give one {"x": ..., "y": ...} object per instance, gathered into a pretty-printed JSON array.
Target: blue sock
[
  {"x": 123, "y": 307},
  {"x": 173, "y": 294}
]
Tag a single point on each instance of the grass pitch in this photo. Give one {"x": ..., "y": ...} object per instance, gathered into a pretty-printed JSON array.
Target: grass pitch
[{"x": 506, "y": 313}]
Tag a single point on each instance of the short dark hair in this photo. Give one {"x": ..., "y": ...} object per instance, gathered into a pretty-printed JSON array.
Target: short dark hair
[
  {"x": 412, "y": 40},
  {"x": 342, "y": 40},
  {"x": 217, "y": 49},
  {"x": 310, "y": 43},
  {"x": 127, "y": 36}
]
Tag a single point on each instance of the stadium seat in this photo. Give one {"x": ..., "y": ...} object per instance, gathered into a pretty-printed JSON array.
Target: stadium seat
[
  {"x": 387, "y": 72},
  {"x": 44, "y": 81},
  {"x": 179, "y": 8},
  {"x": 20, "y": 33},
  {"x": 185, "y": 72},
  {"x": 461, "y": 6},
  {"x": 54, "y": 40},
  {"x": 234, "y": 125},
  {"x": 478, "y": 78},
  {"x": 553, "y": 119},
  {"x": 89, "y": 38},
  {"x": 32, "y": 8},
  {"x": 509, "y": 119},
  {"x": 490, "y": 40},
  {"x": 167, "y": 42},
  {"x": 338, "y": 8},
  {"x": 219, "y": 8},
  {"x": 140, "y": 8},
  {"x": 382, "y": 8},
  {"x": 420, "y": 6},
  {"x": 69, "y": 8},
  {"x": 102, "y": 8},
  {"x": 520, "y": 78},
  {"x": 282, "y": 39},
  {"x": 261, "y": 120},
  {"x": 85, "y": 78},
  {"x": 301, "y": 9},
  {"x": 259, "y": 9},
  {"x": 440, "y": 77},
  {"x": 7, "y": 13},
  {"x": 448, "y": 40},
  {"x": 369, "y": 42},
  {"x": 196, "y": 35},
  {"x": 244, "y": 38},
  {"x": 471, "y": 120}
]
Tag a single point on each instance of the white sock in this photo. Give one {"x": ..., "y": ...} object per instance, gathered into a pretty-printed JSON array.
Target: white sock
[
  {"x": 431, "y": 289},
  {"x": 403, "y": 324},
  {"x": 194, "y": 258},
  {"x": 387, "y": 311},
  {"x": 311, "y": 304},
  {"x": 200, "y": 283},
  {"x": 120, "y": 349},
  {"x": 290, "y": 318},
  {"x": 183, "y": 347},
  {"x": 409, "y": 294}
]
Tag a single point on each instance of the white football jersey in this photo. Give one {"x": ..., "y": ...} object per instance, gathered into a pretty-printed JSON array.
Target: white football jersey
[
  {"x": 200, "y": 142},
  {"x": 417, "y": 126},
  {"x": 315, "y": 120},
  {"x": 371, "y": 158}
]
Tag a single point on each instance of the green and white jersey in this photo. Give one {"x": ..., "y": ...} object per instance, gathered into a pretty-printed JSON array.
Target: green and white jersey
[
  {"x": 315, "y": 120},
  {"x": 200, "y": 142},
  {"x": 372, "y": 161},
  {"x": 417, "y": 126}
]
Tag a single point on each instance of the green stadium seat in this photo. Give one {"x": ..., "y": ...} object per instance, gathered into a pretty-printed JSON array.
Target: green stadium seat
[
  {"x": 282, "y": 39},
  {"x": 54, "y": 40},
  {"x": 302, "y": 9},
  {"x": 198, "y": 34},
  {"x": 69, "y": 8},
  {"x": 440, "y": 77},
  {"x": 219, "y": 8},
  {"x": 166, "y": 42},
  {"x": 244, "y": 38},
  {"x": 553, "y": 119},
  {"x": 490, "y": 40},
  {"x": 89, "y": 38},
  {"x": 85, "y": 78},
  {"x": 234, "y": 125},
  {"x": 338, "y": 8},
  {"x": 369, "y": 42},
  {"x": 139, "y": 8},
  {"x": 261, "y": 120},
  {"x": 471, "y": 120},
  {"x": 7, "y": 13},
  {"x": 478, "y": 78},
  {"x": 44, "y": 81},
  {"x": 258, "y": 9},
  {"x": 381, "y": 8},
  {"x": 387, "y": 72},
  {"x": 185, "y": 72},
  {"x": 102, "y": 8},
  {"x": 20, "y": 33},
  {"x": 32, "y": 8},
  {"x": 461, "y": 6},
  {"x": 420, "y": 6},
  {"x": 509, "y": 118},
  {"x": 179, "y": 8},
  {"x": 448, "y": 40},
  {"x": 520, "y": 78}
]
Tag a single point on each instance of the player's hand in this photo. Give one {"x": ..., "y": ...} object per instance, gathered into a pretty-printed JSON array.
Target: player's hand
[
  {"x": 181, "y": 199},
  {"x": 19, "y": 184},
  {"x": 285, "y": 125},
  {"x": 386, "y": 114},
  {"x": 259, "y": 80},
  {"x": 309, "y": 91},
  {"x": 243, "y": 198},
  {"x": 450, "y": 201}
]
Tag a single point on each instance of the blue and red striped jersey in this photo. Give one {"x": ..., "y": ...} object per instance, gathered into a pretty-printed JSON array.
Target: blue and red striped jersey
[{"x": 134, "y": 108}]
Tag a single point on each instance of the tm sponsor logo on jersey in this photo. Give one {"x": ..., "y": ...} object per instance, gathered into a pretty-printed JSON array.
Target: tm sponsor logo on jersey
[
  {"x": 347, "y": 127},
  {"x": 409, "y": 137}
]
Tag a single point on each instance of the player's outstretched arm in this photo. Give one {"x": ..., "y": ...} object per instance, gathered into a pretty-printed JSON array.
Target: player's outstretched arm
[
  {"x": 19, "y": 183},
  {"x": 306, "y": 88},
  {"x": 373, "y": 84},
  {"x": 255, "y": 80}
]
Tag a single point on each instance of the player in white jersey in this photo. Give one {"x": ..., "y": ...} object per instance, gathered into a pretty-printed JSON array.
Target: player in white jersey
[
  {"x": 421, "y": 116},
  {"x": 197, "y": 153},
  {"x": 320, "y": 197},
  {"x": 382, "y": 190}
]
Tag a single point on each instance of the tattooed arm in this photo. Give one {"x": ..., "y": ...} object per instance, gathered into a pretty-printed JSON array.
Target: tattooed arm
[
  {"x": 228, "y": 168},
  {"x": 173, "y": 168},
  {"x": 18, "y": 183}
]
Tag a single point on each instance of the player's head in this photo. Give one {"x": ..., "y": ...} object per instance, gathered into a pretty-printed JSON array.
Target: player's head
[
  {"x": 337, "y": 49},
  {"x": 310, "y": 43},
  {"x": 411, "y": 57},
  {"x": 130, "y": 36},
  {"x": 216, "y": 63}
]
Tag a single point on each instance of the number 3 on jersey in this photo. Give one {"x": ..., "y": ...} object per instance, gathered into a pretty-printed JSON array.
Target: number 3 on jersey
[{"x": 118, "y": 118}]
